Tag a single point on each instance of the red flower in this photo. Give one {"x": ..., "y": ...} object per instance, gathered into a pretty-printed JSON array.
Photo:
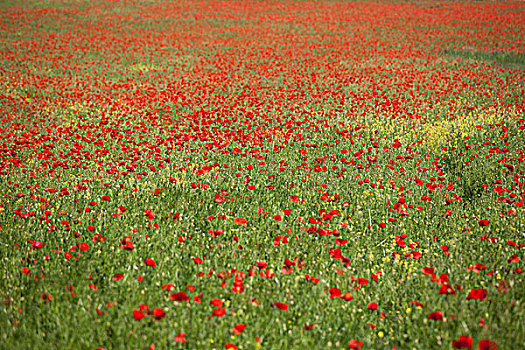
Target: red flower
[
  {"x": 281, "y": 306},
  {"x": 118, "y": 276},
  {"x": 436, "y": 316},
  {"x": 37, "y": 244},
  {"x": 340, "y": 241},
  {"x": 262, "y": 264},
  {"x": 414, "y": 255},
  {"x": 487, "y": 344},
  {"x": 180, "y": 296},
  {"x": 149, "y": 213},
  {"x": 355, "y": 344},
  {"x": 483, "y": 222},
  {"x": 477, "y": 294},
  {"x": 347, "y": 296},
  {"x": 372, "y": 306},
  {"x": 239, "y": 221},
  {"x": 416, "y": 303},
  {"x": 308, "y": 327},
  {"x": 464, "y": 342},
  {"x": 150, "y": 262},
  {"x": 230, "y": 346},
  {"x": 446, "y": 289},
  {"x": 158, "y": 313},
  {"x": 239, "y": 328},
  {"x": 144, "y": 308},
  {"x": 219, "y": 312},
  {"x": 168, "y": 286},
  {"x": 137, "y": 315},
  {"x": 334, "y": 292},
  {"x": 428, "y": 270},
  {"x": 216, "y": 302},
  {"x": 514, "y": 259},
  {"x": 179, "y": 338}
]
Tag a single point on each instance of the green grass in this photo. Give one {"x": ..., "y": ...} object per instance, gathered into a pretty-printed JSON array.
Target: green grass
[{"x": 218, "y": 98}]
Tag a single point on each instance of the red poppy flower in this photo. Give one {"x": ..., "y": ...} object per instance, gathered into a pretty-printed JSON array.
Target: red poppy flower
[
  {"x": 216, "y": 302},
  {"x": 144, "y": 308},
  {"x": 436, "y": 316},
  {"x": 168, "y": 286},
  {"x": 219, "y": 312},
  {"x": 334, "y": 292},
  {"x": 416, "y": 303},
  {"x": 281, "y": 306},
  {"x": 150, "y": 262},
  {"x": 180, "y": 296},
  {"x": 487, "y": 344},
  {"x": 230, "y": 346},
  {"x": 149, "y": 213},
  {"x": 477, "y": 294},
  {"x": 137, "y": 315},
  {"x": 355, "y": 344},
  {"x": 239, "y": 328},
  {"x": 239, "y": 221},
  {"x": 464, "y": 342},
  {"x": 179, "y": 338},
  {"x": 118, "y": 276},
  {"x": 158, "y": 313},
  {"x": 514, "y": 259},
  {"x": 308, "y": 327},
  {"x": 37, "y": 244},
  {"x": 340, "y": 241},
  {"x": 347, "y": 296},
  {"x": 428, "y": 270},
  {"x": 372, "y": 306},
  {"x": 446, "y": 289},
  {"x": 483, "y": 222},
  {"x": 414, "y": 255},
  {"x": 262, "y": 264}
]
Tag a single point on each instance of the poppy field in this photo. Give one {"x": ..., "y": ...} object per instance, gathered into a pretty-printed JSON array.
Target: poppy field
[{"x": 262, "y": 175}]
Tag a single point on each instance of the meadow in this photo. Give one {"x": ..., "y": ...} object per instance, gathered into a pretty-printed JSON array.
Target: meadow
[{"x": 262, "y": 175}]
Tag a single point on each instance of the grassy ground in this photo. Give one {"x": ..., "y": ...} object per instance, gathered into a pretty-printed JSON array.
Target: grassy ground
[{"x": 248, "y": 175}]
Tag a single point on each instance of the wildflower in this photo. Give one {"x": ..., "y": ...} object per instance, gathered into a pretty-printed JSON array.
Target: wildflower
[
  {"x": 464, "y": 342},
  {"x": 281, "y": 306}
]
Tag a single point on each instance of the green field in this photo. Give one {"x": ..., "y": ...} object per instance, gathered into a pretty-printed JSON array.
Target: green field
[{"x": 262, "y": 175}]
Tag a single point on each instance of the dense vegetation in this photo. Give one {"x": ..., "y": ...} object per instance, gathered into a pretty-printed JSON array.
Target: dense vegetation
[{"x": 239, "y": 175}]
